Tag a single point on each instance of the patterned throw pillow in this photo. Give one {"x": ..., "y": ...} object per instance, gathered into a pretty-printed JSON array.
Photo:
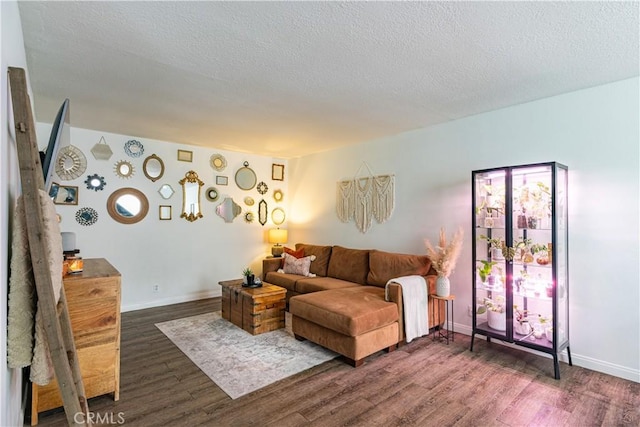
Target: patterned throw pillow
[{"x": 293, "y": 265}]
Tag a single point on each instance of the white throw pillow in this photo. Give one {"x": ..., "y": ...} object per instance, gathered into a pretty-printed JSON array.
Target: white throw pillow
[{"x": 293, "y": 265}]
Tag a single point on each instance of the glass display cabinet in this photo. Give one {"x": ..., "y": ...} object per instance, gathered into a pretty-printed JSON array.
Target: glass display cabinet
[{"x": 520, "y": 271}]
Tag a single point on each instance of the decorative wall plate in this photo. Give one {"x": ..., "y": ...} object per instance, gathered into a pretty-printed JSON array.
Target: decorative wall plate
[
  {"x": 133, "y": 148},
  {"x": 124, "y": 169},
  {"x": 95, "y": 182},
  {"x": 248, "y": 217},
  {"x": 278, "y": 195},
  {"x": 71, "y": 163},
  {"x": 86, "y": 216},
  {"x": 248, "y": 201},
  {"x": 218, "y": 162},
  {"x": 102, "y": 151},
  {"x": 262, "y": 188}
]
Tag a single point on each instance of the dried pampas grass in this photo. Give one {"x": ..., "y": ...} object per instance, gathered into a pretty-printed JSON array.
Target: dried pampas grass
[{"x": 444, "y": 257}]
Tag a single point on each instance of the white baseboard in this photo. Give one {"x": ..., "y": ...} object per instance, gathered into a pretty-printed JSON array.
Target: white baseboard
[
  {"x": 172, "y": 300},
  {"x": 577, "y": 359}
]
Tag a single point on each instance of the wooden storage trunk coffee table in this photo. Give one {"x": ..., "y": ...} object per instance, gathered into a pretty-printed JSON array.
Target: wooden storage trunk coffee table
[{"x": 256, "y": 310}]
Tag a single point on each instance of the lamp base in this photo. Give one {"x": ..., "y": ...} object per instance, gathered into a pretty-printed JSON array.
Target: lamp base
[{"x": 277, "y": 251}]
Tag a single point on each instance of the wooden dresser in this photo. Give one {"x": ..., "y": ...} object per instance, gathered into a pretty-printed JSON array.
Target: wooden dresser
[{"x": 93, "y": 298}]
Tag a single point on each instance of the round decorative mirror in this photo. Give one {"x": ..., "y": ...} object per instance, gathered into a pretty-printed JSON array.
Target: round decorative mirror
[
  {"x": 246, "y": 177},
  {"x": 124, "y": 169},
  {"x": 166, "y": 191},
  {"x": 95, "y": 182},
  {"x": 218, "y": 162},
  {"x": 127, "y": 205},
  {"x": 153, "y": 167},
  {"x": 248, "y": 201},
  {"x": 211, "y": 194},
  {"x": 262, "y": 188},
  {"x": 133, "y": 148},
  {"x": 278, "y": 196},
  {"x": 71, "y": 163},
  {"x": 277, "y": 216}
]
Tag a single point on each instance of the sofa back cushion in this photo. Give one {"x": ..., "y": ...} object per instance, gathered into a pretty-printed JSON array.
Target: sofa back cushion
[
  {"x": 384, "y": 266},
  {"x": 320, "y": 264},
  {"x": 349, "y": 264}
]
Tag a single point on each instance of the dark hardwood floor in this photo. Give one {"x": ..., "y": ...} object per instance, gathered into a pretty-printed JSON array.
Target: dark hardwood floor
[{"x": 424, "y": 383}]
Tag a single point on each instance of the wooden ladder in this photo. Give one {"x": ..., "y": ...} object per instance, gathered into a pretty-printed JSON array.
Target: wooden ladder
[{"x": 55, "y": 317}]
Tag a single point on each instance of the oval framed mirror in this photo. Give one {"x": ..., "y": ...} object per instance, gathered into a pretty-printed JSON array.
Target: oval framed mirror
[
  {"x": 191, "y": 196},
  {"x": 166, "y": 191},
  {"x": 277, "y": 216},
  {"x": 124, "y": 169},
  {"x": 127, "y": 205},
  {"x": 278, "y": 195},
  {"x": 211, "y": 194},
  {"x": 245, "y": 177},
  {"x": 228, "y": 209},
  {"x": 153, "y": 167}
]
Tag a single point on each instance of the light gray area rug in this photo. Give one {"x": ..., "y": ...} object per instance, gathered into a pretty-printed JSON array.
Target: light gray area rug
[{"x": 238, "y": 362}]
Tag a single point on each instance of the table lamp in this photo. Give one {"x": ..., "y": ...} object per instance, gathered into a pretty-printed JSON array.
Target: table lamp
[{"x": 277, "y": 236}]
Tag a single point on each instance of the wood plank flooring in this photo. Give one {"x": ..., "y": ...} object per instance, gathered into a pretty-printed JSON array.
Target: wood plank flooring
[{"x": 424, "y": 383}]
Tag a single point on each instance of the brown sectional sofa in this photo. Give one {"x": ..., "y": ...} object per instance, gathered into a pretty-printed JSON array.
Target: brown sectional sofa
[{"x": 344, "y": 308}]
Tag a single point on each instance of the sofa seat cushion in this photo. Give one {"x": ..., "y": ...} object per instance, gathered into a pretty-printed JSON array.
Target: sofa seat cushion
[
  {"x": 384, "y": 266},
  {"x": 322, "y": 253},
  {"x": 314, "y": 284},
  {"x": 349, "y": 264},
  {"x": 287, "y": 281},
  {"x": 349, "y": 311}
]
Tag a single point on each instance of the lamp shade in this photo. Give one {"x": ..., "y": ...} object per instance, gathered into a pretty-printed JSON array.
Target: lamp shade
[{"x": 277, "y": 235}]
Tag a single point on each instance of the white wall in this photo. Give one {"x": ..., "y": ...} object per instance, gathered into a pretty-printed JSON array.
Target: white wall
[
  {"x": 13, "y": 55},
  {"x": 186, "y": 259},
  {"x": 595, "y": 132}
]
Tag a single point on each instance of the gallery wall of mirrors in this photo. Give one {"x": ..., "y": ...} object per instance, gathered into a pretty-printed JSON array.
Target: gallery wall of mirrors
[{"x": 138, "y": 180}]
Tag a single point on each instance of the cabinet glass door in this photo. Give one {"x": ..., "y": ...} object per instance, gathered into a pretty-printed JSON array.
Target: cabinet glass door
[
  {"x": 532, "y": 261},
  {"x": 490, "y": 275}
]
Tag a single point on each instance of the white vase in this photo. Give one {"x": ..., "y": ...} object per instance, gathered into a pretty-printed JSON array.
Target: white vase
[
  {"x": 497, "y": 321},
  {"x": 443, "y": 287}
]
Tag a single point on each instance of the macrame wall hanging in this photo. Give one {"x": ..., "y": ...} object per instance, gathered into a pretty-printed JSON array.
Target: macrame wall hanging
[{"x": 364, "y": 198}]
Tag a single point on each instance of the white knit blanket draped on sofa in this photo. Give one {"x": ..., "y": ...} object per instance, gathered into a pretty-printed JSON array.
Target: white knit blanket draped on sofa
[
  {"x": 414, "y": 304},
  {"x": 21, "y": 349}
]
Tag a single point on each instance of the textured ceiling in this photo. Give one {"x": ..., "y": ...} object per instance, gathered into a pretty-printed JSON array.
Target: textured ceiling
[{"x": 285, "y": 79}]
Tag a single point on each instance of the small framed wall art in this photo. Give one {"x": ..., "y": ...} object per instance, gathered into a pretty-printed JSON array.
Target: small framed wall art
[
  {"x": 185, "y": 156},
  {"x": 165, "y": 212},
  {"x": 222, "y": 180},
  {"x": 277, "y": 172}
]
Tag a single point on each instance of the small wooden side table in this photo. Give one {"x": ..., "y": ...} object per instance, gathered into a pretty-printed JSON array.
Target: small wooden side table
[
  {"x": 256, "y": 310},
  {"x": 448, "y": 308}
]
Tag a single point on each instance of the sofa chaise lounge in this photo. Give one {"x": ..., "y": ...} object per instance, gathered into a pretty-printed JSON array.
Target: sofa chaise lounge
[{"x": 343, "y": 307}]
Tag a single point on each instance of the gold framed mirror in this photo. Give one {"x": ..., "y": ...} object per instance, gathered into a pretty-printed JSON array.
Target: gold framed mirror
[
  {"x": 127, "y": 205},
  {"x": 124, "y": 169},
  {"x": 153, "y": 167},
  {"x": 191, "y": 196},
  {"x": 278, "y": 195},
  {"x": 245, "y": 177},
  {"x": 278, "y": 216}
]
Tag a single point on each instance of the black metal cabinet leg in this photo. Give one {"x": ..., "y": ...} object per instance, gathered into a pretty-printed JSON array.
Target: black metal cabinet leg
[
  {"x": 473, "y": 335},
  {"x": 556, "y": 366},
  {"x": 569, "y": 354}
]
